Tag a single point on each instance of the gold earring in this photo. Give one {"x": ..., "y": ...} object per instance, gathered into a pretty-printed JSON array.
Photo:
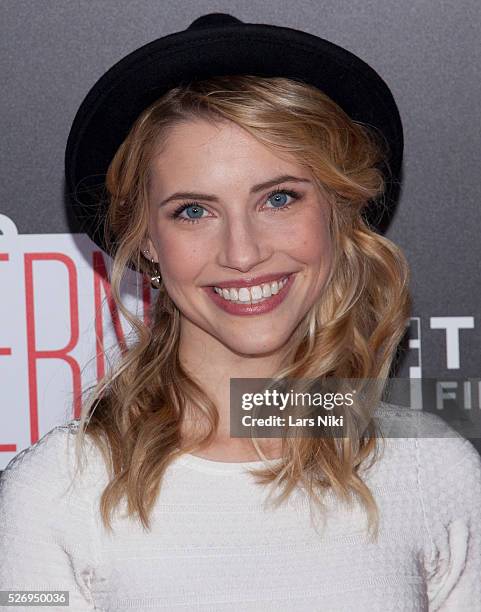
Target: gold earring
[{"x": 155, "y": 279}]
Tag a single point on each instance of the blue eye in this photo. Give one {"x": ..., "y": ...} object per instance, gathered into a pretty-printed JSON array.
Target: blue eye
[
  {"x": 279, "y": 198},
  {"x": 194, "y": 212}
]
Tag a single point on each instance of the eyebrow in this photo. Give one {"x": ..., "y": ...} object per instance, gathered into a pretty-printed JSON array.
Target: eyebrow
[{"x": 284, "y": 178}]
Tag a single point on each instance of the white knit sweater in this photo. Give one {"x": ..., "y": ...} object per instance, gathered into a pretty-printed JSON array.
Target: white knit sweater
[{"x": 214, "y": 547}]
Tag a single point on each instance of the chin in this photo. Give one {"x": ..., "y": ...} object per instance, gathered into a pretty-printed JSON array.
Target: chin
[{"x": 255, "y": 344}]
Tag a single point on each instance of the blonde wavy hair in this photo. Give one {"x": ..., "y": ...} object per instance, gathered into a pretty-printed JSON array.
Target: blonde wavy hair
[{"x": 133, "y": 415}]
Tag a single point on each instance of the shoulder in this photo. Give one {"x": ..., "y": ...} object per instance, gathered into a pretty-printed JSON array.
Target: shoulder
[
  {"x": 49, "y": 529},
  {"x": 446, "y": 471},
  {"x": 446, "y": 462},
  {"x": 402, "y": 422},
  {"x": 42, "y": 456},
  {"x": 45, "y": 470}
]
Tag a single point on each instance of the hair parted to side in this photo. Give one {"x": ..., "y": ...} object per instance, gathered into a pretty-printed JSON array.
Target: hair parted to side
[{"x": 134, "y": 414}]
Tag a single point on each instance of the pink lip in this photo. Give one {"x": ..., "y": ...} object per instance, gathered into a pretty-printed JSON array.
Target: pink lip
[
  {"x": 251, "y": 282},
  {"x": 250, "y": 309}
]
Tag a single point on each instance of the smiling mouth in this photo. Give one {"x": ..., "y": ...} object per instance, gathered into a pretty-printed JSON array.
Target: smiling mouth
[{"x": 251, "y": 295}]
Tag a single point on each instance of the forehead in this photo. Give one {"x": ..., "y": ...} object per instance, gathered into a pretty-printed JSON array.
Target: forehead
[{"x": 200, "y": 150}]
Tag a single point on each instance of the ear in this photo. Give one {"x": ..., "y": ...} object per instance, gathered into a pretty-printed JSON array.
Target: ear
[{"x": 148, "y": 245}]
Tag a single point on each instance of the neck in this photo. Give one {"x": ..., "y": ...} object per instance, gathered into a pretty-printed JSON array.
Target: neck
[{"x": 212, "y": 365}]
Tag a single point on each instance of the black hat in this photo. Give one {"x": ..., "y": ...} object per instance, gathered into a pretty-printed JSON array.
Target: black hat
[{"x": 219, "y": 44}]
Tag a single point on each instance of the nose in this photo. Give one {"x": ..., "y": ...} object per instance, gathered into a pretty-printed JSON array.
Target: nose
[{"x": 242, "y": 245}]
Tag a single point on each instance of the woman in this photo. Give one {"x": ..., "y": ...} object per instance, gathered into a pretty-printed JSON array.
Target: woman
[{"x": 243, "y": 197}]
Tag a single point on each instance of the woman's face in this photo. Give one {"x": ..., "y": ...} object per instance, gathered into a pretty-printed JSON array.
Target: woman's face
[{"x": 233, "y": 233}]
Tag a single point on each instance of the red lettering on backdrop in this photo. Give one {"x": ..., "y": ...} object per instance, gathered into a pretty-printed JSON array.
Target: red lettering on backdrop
[
  {"x": 3, "y": 349},
  {"x": 101, "y": 282},
  {"x": 33, "y": 354},
  {"x": 6, "y": 448}
]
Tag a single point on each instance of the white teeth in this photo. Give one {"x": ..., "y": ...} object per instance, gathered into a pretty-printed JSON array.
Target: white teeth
[
  {"x": 256, "y": 292},
  {"x": 252, "y": 295},
  {"x": 244, "y": 294}
]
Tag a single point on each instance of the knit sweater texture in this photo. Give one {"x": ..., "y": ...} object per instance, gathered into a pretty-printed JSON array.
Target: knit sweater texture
[{"x": 214, "y": 545}]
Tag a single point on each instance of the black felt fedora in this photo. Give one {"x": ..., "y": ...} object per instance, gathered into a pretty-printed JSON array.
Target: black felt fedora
[{"x": 220, "y": 44}]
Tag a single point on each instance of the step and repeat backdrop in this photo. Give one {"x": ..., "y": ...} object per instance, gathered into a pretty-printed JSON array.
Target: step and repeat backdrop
[{"x": 58, "y": 324}]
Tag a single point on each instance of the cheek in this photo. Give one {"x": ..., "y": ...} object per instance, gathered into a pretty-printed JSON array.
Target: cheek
[
  {"x": 308, "y": 240},
  {"x": 180, "y": 258}
]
